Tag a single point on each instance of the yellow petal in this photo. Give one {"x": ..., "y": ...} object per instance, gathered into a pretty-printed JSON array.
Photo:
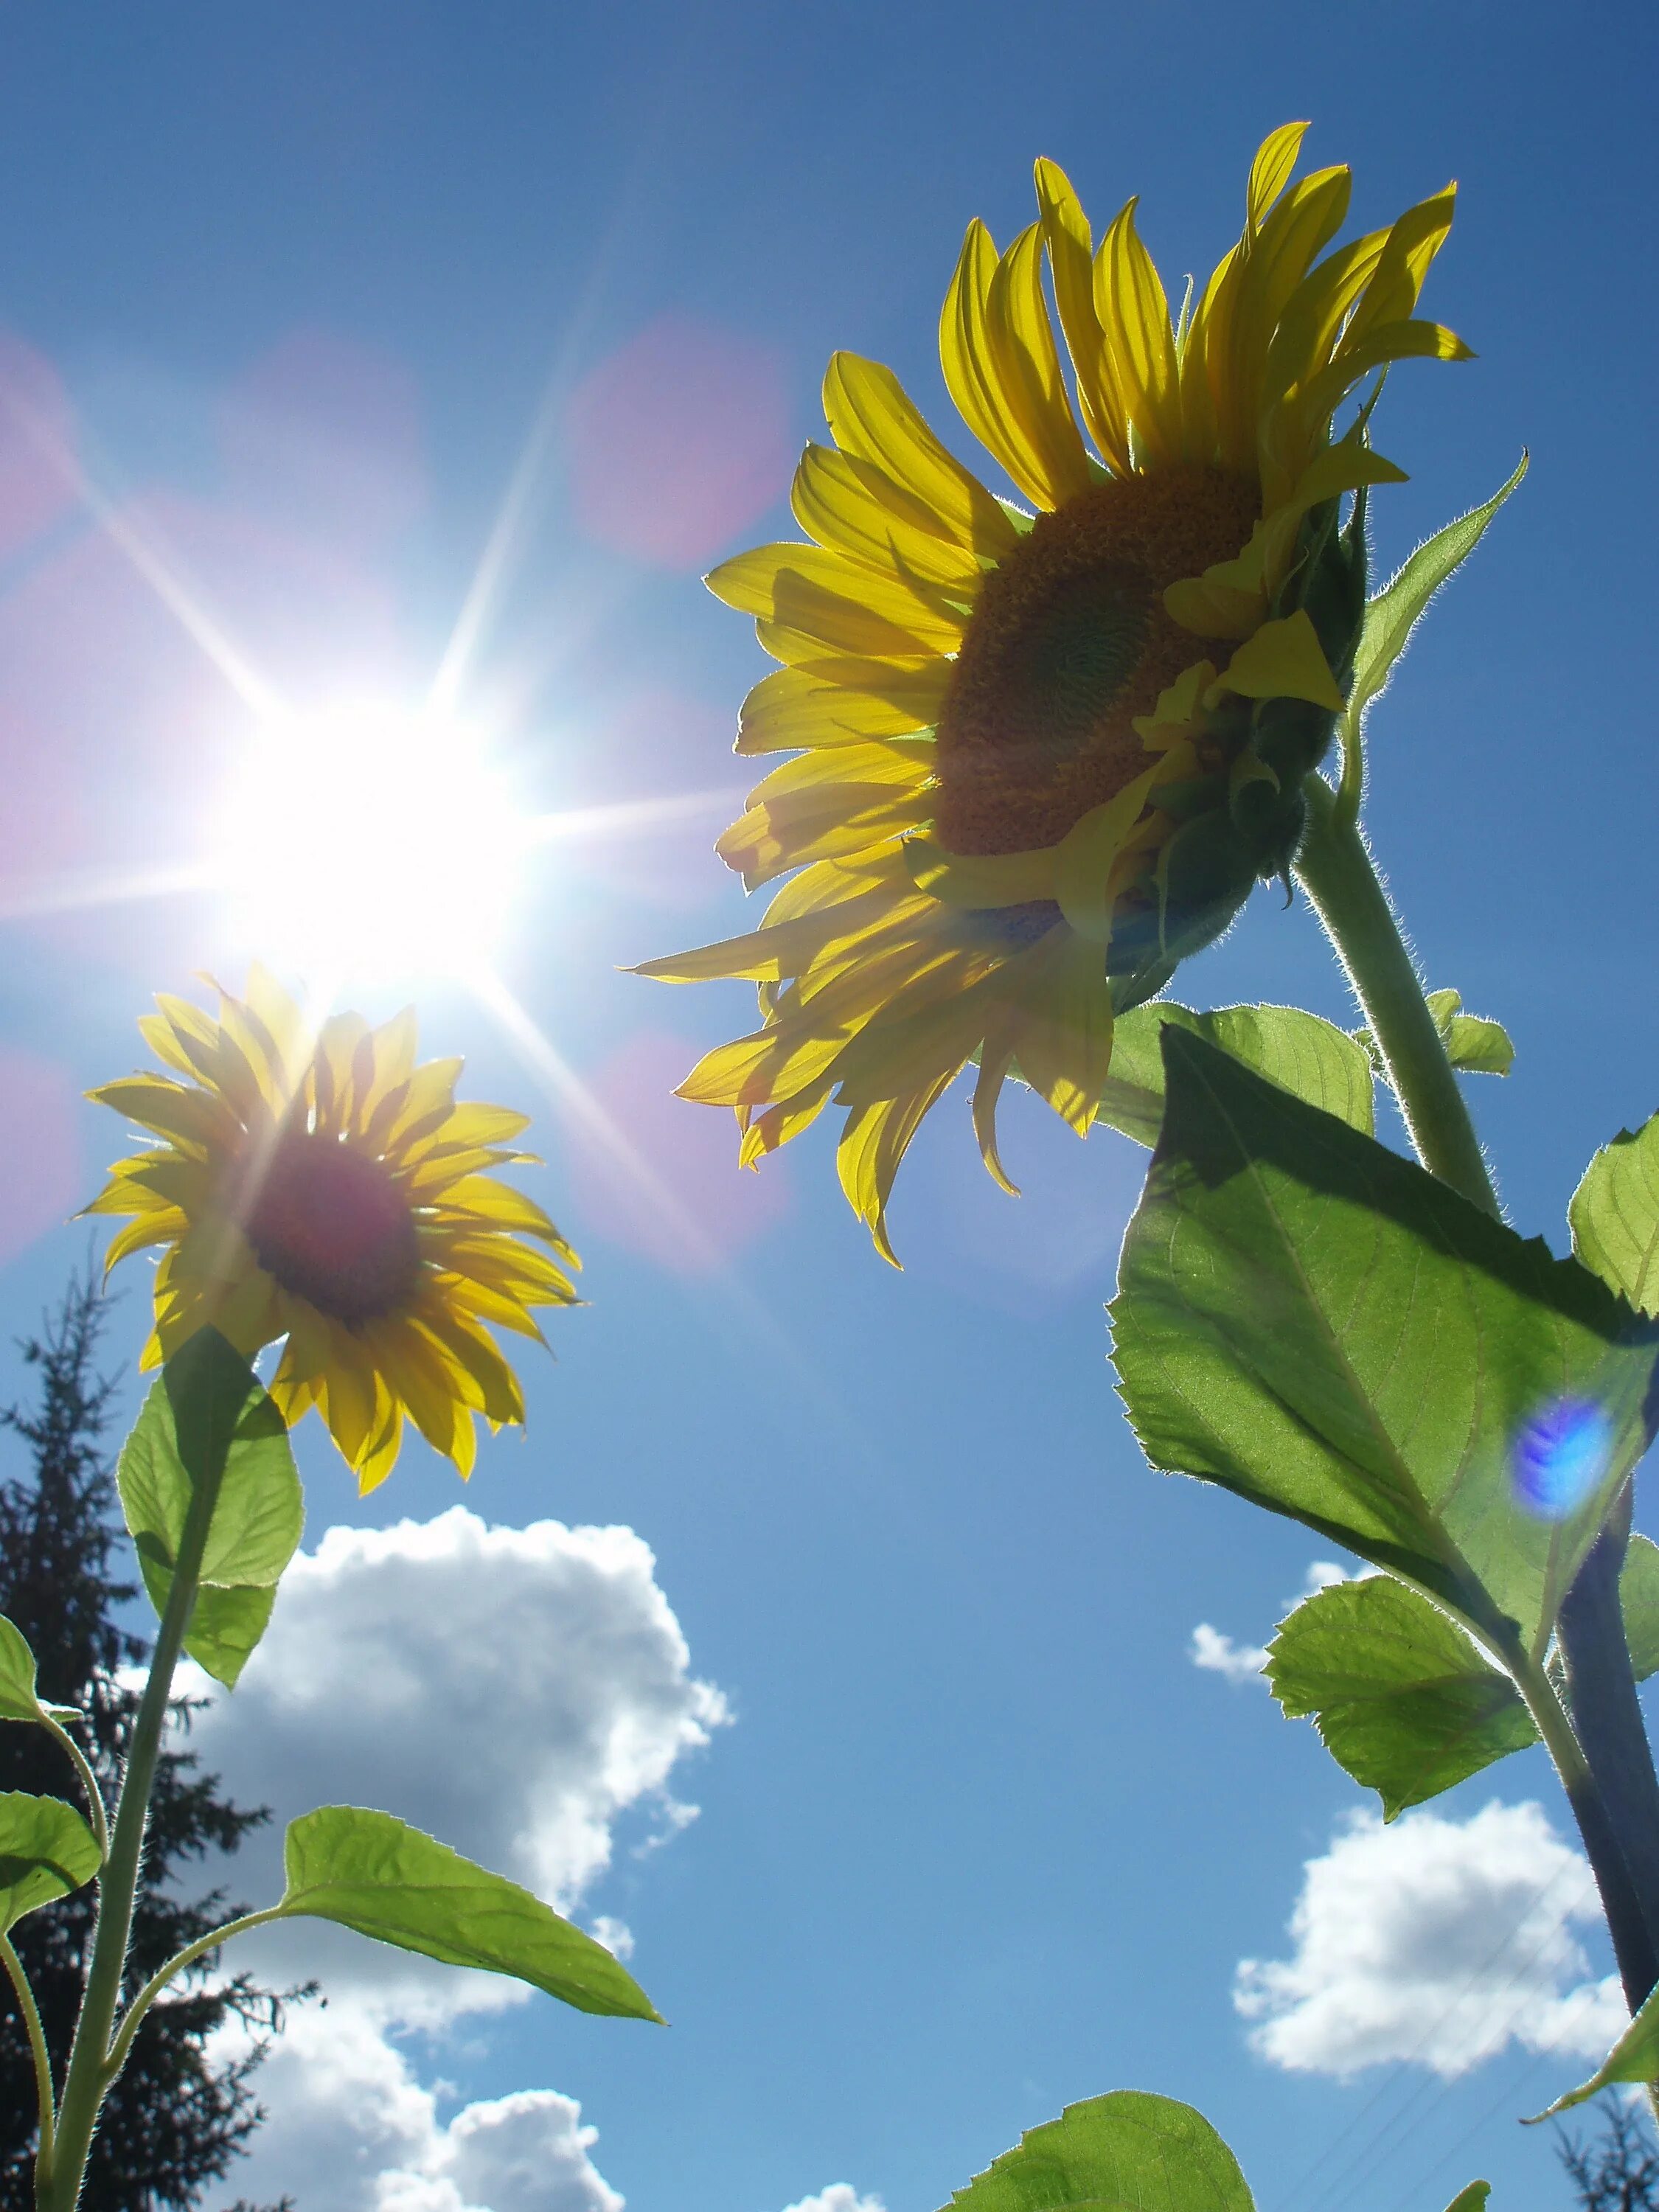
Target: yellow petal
[
  {"x": 1071, "y": 259},
  {"x": 851, "y": 508},
  {"x": 871, "y": 418},
  {"x": 768, "y": 1131},
  {"x": 797, "y": 707},
  {"x": 1064, "y": 1043},
  {"x": 1270, "y": 172},
  {"x": 189, "y": 1115},
  {"x": 928, "y": 1031},
  {"x": 822, "y": 594},
  {"x": 1283, "y": 660},
  {"x": 1084, "y": 860},
  {"x": 872, "y": 1144},
  {"x": 1000, "y": 366},
  {"x": 1180, "y": 707},
  {"x": 974, "y": 881},
  {"x": 1134, "y": 314},
  {"x": 834, "y": 823},
  {"x": 994, "y": 1063}
]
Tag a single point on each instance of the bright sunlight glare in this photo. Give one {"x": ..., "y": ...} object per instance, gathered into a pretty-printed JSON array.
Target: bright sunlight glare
[{"x": 370, "y": 839}]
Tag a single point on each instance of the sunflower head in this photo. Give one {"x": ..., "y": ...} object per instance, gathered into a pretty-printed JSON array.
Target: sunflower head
[
  {"x": 1044, "y": 746},
  {"x": 319, "y": 1187}
]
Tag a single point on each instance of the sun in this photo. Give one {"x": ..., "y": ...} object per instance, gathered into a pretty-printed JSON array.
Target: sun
[{"x": 370, "y": 839}]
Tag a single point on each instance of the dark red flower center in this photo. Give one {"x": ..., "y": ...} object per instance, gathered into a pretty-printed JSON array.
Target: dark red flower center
[
  {"x": 332, "y": 1226},
  {"x": 1069, "y": 641}
]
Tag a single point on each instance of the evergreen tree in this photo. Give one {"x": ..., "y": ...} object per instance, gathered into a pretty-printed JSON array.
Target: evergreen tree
[
  {"x": 1620, "y": 2172},
  {"x": 176, "y": 2119}
]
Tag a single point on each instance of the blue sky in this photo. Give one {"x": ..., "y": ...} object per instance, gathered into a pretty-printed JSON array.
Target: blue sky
[{"x": 299, "y": 288}]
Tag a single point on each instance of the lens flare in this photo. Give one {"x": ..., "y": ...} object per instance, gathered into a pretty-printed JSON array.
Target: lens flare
[
  {"x": 1560, "y": 1457},
  {"x": 371, "y": 840}
]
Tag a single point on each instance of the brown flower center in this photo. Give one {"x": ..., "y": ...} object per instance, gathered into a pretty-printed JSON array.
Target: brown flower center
[
  {"x": 1069, "y": 640},
  {"x": 331, "y": 1225}
]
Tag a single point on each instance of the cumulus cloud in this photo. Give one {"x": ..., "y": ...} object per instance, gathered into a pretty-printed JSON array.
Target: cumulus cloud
[
  {"x": 353, "y": 2128},
  {"x": 1219, "y": 1654},
  {"x": 840, "y": 2197},
  {"x": 1243, "y": 1663},
  {"x": 521, "y": 1693},
  {"x": 1437, "y": 1941}
]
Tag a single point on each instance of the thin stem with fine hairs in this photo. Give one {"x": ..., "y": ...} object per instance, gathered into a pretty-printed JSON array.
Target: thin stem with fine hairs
[{"x": 1601, "y": 1753}]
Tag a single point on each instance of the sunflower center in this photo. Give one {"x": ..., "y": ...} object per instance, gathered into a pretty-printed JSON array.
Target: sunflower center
[
  {"x": 332, "y": 1226},
  {"x": 1068, "y": 642}
]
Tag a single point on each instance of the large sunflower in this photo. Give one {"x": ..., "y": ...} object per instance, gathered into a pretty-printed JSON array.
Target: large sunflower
[
  {"x": 1041, "y": 756},
  {"x": 320, "y": 1187}
]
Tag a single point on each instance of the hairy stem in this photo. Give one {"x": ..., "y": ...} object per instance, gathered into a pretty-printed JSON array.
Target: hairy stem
[
  {"x": 89, "y": 1783},
  {"x": 1633, "y": 1947},
  {"x": 1606, "y": 1714},
  {"x": 179, "y": 1964},
  {"x": 1602, "y": 1753},
  {"x": 1336, "y": 870},
  {"x": 31, "y": 2015},
  {"x": 89, "y": 2075}
]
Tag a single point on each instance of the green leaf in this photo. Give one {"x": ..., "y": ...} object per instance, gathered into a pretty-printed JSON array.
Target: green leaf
[
  {"x": 1324, "y": 1328},
  {"x": 1395, "y": 613},
  {"x": 376, "y": 1873},
  {"x": 1471, "y": 2199},
  {"x": 207, "y": 1413},
  {"x": 19, "y": 1698},
  {"x": 47, "y": 1850},
  {"x": 1634, "y": 2058},
  {"x": 1129, "y": 2152},
  {"x": 1473, "y": 1043},
  {"x": 1615, "y": 1215},
  {"x": 1310, "y": 1058},
  {"x": 224, "y": 1627},
  {"x": 1402, "y": 1700},
  {"x": 1639, "y": 1600}
]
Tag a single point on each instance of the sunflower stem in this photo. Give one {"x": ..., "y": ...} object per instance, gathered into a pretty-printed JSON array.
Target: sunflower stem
[
  {"x": 1606, "y": 1713},
  {"x": 1633, "y": 1947},
  {"x": 30, "y": 2013},
  {"x": 1601, "y": 1753},
  {"x": 90, "y": 2074},
  {"x": 1336, "y": 870}
]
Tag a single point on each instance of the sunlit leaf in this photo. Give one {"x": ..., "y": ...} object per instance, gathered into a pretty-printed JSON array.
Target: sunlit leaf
[
  {"x": 208, "y": 1420},
  {"x": 1127, "y": 2152},
  {"x": 1476, "y": 1045},
  {"x": 1634, "y": 2058},
  {"x": 19, "y": 1698},
  {"x": 371, "y": 1872},
  {"x": 1311, "y": 1058},
  {"x": 1317, "y": 1324},
  {"x": 47, "y": 1850},
  {"x": 1395, "y": 611},
  {"x": 1615, "y": 1215},
  {"x": 1402, "y": 1700}
]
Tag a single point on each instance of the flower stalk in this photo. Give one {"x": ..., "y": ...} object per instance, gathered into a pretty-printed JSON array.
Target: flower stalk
[
  {"x": 1336, "y": 870},
  {"x": 1597, "y": 1740},
  {"x": 92, "y": 2070}
]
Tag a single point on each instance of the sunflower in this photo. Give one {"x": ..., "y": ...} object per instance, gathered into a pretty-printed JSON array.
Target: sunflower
[
  {"x": 319, "y": 1187},
  {"x": 1043, "y": 753}
]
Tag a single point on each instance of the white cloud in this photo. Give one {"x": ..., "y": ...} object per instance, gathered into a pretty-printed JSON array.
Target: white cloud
[
  {"x": 1243, "y": 1663},
  {"x": 517, "y": 1693},
  {"x": 352, "y": 2129},
  {"x": 1219, "y": 1654},
  {"x": 1437, "y": 1941},
  {"x": 840, "y": 2197}
]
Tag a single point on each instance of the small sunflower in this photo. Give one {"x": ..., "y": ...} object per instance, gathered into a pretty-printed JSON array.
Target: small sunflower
[
  {"x": 1041, "y": 757},
  {"x": 321, "y": 1187}
]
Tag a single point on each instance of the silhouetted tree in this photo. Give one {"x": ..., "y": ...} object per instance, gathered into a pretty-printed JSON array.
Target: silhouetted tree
[
  {"x": 1619, "y": 2172},
  {"x": 177, "y": 2118}
]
